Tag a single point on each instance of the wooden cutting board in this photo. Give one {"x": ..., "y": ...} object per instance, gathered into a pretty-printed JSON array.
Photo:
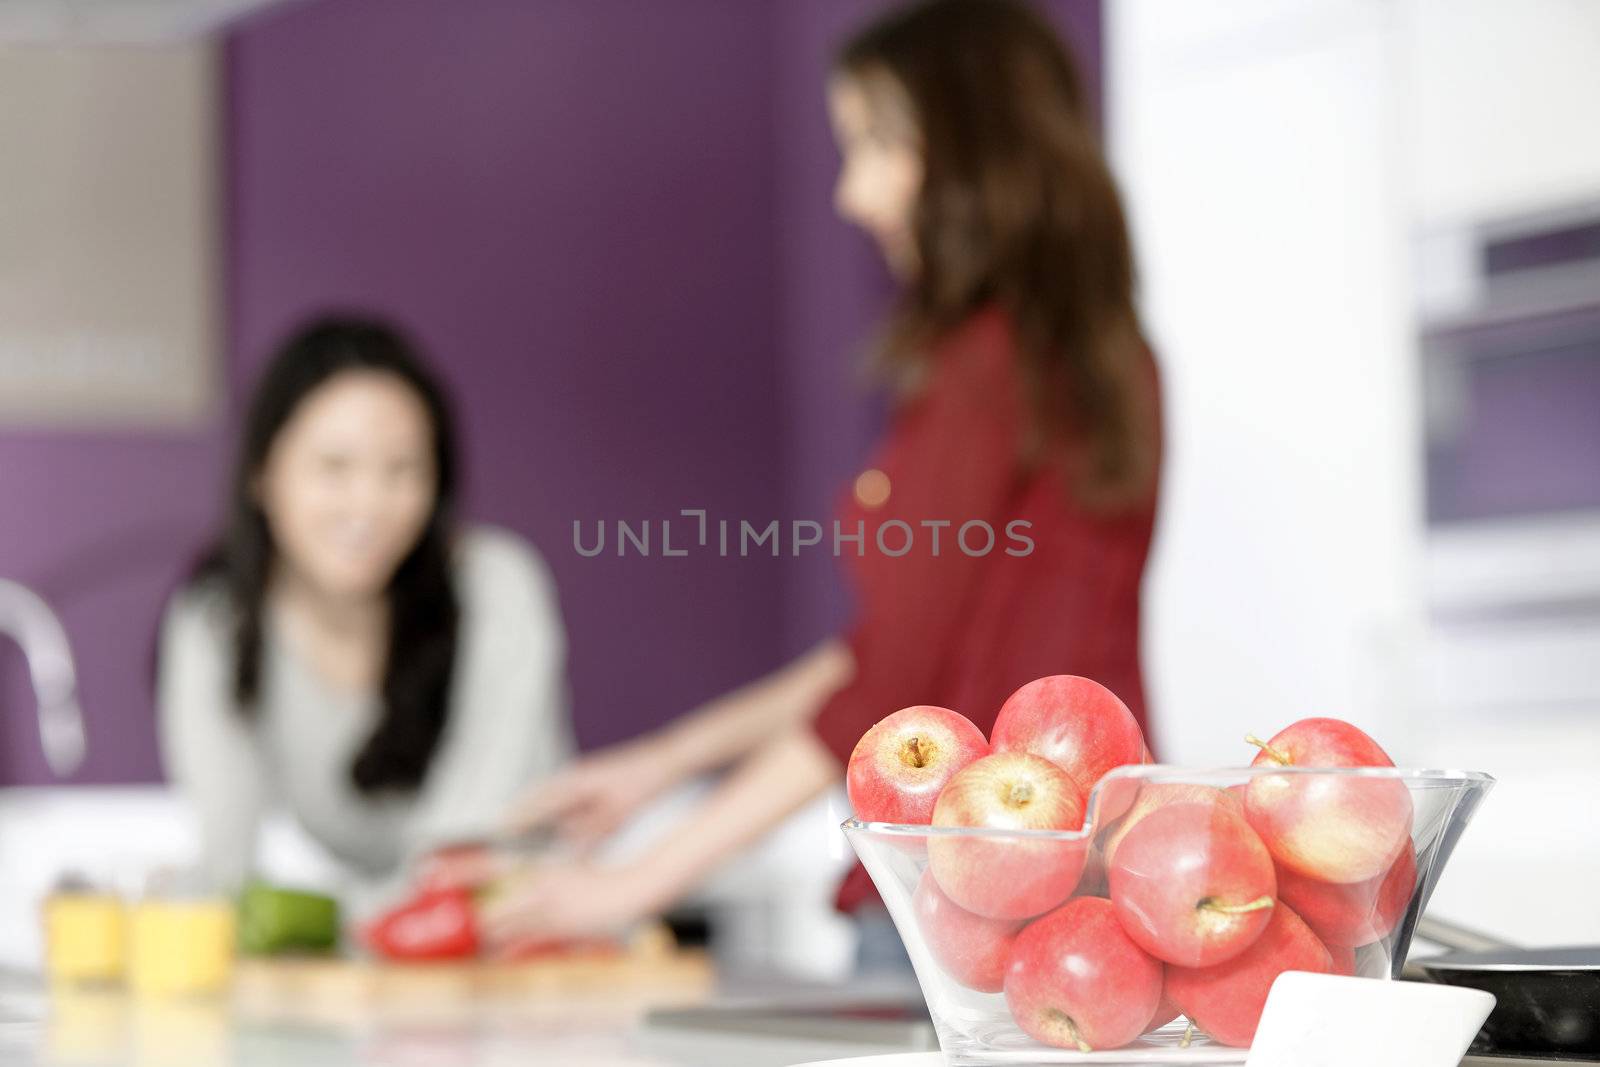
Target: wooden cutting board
[{"x": 650, "y": 967}]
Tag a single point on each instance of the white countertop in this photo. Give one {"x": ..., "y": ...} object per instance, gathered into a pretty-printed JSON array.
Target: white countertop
[{"x": 115, "y": 1030}]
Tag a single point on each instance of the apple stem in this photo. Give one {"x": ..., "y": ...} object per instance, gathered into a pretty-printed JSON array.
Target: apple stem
[
  {"x": 1072, "y": 1029},
  {"x": 1272, "y": 754},
  {"x": 1188, "y": 1036},
  {"x": 918, "y": 757},
  {"x": 1055, "y": 1015},
  {"x": 1258, "y": 904}
]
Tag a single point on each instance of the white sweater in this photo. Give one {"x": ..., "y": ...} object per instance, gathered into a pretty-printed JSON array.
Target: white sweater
[{"x": 507, "y": 726}]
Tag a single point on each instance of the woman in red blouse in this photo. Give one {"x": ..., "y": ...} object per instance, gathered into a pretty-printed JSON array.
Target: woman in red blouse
[{"x": 1015, "y": 491}]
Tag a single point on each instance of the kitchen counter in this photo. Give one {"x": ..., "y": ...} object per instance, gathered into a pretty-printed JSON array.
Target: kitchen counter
[{"x": 113, "y": 1030}]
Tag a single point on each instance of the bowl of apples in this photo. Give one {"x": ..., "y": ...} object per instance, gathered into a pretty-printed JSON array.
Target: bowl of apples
[{"x": 1065, "y": 900}]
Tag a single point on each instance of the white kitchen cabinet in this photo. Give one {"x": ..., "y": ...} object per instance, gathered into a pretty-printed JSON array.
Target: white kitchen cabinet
[
  {"x": 1502, "y": 101},
  {"x": 110, "y": 194}
]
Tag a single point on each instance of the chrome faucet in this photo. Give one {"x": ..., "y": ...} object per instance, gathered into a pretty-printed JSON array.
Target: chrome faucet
[{"x": 28, "y": 619}]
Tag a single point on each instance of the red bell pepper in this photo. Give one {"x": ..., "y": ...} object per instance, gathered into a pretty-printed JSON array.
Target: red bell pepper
[{"x": 436, "y": 924}]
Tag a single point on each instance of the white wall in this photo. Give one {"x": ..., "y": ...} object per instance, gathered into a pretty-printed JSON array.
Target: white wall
[
  {"x": 1278, "y": 161},
  {"x": 1252, "y": 151},
  {"x": 1503, "y": 104}
]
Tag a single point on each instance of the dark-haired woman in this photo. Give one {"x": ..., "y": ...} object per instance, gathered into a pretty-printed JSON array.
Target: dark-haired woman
[
  {"x": 1026, "y": 394},
  {"x": 345, "y": 652}
]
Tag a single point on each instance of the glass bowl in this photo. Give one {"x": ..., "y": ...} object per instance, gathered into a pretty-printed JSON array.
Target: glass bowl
[{"x": 978, "y": 958}]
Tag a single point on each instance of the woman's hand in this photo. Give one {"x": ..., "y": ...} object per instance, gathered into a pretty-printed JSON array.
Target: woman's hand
[
  {"x": 460, "y": 867},
  {"x": 565, "y": 901},
  {"x": 590, "y": 798},
  {"x": 556, "y": 900}
]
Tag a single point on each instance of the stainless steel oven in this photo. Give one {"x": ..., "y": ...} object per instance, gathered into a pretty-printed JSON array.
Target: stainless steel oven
[{"x": 1510, "y": 320}]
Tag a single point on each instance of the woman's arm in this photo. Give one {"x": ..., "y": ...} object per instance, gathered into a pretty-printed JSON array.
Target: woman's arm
[
  {"x": 744, "y": 720},
  {"x": 208, "y": 749},
  {"x": 594, "y": 796},
  {"x": 786, "y": 772},
  {"x": 772, "y": 782}
]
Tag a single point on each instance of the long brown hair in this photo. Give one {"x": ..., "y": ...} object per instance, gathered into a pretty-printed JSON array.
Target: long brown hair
[
  {"x": 423, "y": 608},
  {"x": 1017, "y": 208}
]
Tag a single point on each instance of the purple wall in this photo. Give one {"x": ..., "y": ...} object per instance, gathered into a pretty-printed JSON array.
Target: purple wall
[
  {"x": 611, "y": 222},
  {"x": 570, "y": 203},
  {"x": 832, "y": 287},
  {"x": 100, "y": 524}
]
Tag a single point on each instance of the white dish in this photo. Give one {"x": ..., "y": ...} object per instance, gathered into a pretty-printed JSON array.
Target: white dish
[{"x": 1326, "y": 1020}]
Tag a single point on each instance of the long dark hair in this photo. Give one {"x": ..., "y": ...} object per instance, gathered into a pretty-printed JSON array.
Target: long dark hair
[
  {"x": 1017, "y": 208},
  {"x": 423, "y": 610}
]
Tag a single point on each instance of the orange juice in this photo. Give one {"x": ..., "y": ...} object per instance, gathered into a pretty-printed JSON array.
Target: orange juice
[
  {"x": 85, "y": 938},
  {"x": 180, "y": 947}
]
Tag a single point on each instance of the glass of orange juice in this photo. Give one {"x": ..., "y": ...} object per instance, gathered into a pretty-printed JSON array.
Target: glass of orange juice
[
  {"x": 180, "y": 939},
  {"x": 85, "y": 934}
]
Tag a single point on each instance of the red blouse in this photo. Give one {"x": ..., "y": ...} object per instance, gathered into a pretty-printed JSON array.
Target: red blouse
[{"x": 963, "y": 623}]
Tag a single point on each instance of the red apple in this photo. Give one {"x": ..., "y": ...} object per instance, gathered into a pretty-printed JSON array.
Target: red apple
[
  {"x": 900, "y": 765},
  {"x": 1008, "y": 876},
  {"x": 1225, "y": 1000},
  {"x": 1076, "y": 723},
  {"x": 1155, "y": 795},
  {"x": 970, "y": 948},
  {"x": 1166, "y": 1011},
  {"x": 1193, "y": 884},
  {"x": 1076, "y": 980},
  {"x": 1331, "y": 827},
  {"x": 1344, "y": 959},
  {"x": 1354, "y": 913},
  {"x": 1111, "y": 798}
]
